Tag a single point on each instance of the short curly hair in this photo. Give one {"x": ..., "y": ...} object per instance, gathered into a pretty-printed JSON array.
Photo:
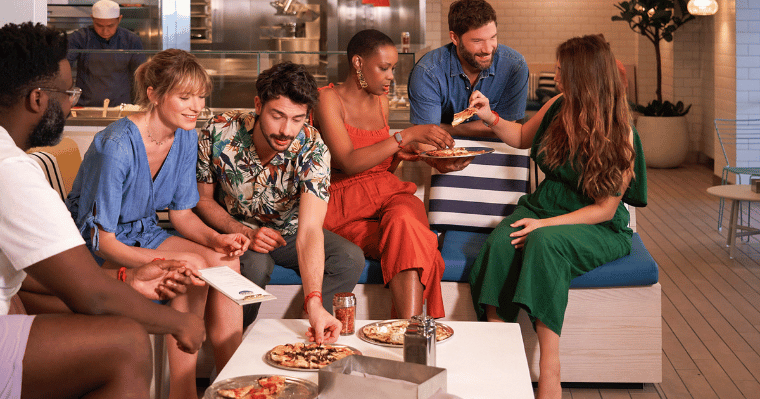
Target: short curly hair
[
  {"x": 365, "y": 42},
  {"x": 29, "y": 56},
  {"x": 466, "y": 15},
  {"x": 290, "y": 80}
]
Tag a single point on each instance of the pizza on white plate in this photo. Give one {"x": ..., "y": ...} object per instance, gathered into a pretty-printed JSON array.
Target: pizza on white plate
[
  {"x": 308, "y": 356},
  {"x": 392, "y": 332},
  {"x": 266, "y": 388}
]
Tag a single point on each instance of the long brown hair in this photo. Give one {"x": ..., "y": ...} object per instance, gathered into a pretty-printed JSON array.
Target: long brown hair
[{"x": 593, "y": 126}]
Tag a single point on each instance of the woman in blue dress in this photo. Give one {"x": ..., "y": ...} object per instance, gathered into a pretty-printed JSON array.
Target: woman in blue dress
[
  {"x": 144, "y": 163},
  {"x": 575, "y": 220}
]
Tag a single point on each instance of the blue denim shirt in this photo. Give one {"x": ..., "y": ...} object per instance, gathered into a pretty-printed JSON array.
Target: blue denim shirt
[
  {"x": 438, "y": 87},
  {"x": 115, "y": 190}
]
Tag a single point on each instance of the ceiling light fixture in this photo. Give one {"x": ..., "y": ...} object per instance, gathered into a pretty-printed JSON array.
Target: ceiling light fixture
[{"x": 702, "y": 7}]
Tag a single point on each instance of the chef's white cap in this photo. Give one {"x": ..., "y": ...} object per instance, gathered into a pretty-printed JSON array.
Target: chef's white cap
[{"x": 105, "y": 9}]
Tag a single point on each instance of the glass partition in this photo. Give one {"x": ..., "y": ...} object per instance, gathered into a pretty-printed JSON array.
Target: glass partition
[{"x": 234, "y": 73}]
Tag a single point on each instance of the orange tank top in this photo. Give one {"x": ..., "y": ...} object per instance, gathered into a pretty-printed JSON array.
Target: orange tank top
[{"x": 361, "y": 138}]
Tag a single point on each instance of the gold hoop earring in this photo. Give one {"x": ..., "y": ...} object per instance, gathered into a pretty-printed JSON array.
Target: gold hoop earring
[{"x": 362, "y": 83}]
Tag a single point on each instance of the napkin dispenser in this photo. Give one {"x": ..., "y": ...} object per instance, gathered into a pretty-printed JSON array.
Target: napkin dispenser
[{"x": 375, "y": 378}]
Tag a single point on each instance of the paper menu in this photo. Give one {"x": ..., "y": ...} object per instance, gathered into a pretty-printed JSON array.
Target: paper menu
[{"x": 234, "y": 285}]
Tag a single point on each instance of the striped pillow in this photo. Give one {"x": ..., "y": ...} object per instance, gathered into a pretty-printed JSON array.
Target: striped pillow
[
  {"x": 546, "y": 81},
  {"x": 532, "y": 86},
  {"x": 480, "y": 196},
  {"x": 51, "y": 170}
]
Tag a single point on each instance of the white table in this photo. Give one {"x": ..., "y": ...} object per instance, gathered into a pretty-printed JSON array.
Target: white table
[
  {"x": 736, "y": 193},
  {"x": 483, "y": 360}
]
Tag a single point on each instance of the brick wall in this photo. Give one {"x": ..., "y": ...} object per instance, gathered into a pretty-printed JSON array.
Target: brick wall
[
  {"x": 708, "y": 59},
  {"x": 748, "y": 73}
]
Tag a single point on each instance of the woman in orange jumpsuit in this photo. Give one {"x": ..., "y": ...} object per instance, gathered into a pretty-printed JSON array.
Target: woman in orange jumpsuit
[{"x": 369, "y": 205}]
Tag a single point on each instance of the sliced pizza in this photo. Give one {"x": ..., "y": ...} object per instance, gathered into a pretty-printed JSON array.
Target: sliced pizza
[
  {"x": 268, "y": 388},
  {"x": 453, "y": 152},
  {"x": 462, "y": 116},
  {"x": 308, "y": 356},
  {"x": 392, "y": 332}
]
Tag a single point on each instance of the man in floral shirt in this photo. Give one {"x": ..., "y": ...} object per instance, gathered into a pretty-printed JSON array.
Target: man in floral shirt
[{"x": 266, "y": 174}]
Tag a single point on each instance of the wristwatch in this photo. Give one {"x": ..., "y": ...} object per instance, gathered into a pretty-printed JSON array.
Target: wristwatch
[{"x": 398, "y": 138}]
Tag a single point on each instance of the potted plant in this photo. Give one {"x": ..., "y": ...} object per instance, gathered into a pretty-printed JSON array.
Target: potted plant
[{"x": 662, "y": 124}]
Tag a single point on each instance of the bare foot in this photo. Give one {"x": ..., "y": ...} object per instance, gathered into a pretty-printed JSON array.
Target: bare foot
[{"x": 491, "y": 314}]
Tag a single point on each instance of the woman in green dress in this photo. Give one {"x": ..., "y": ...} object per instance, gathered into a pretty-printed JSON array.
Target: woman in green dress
[{"x": 584, "y": 142}]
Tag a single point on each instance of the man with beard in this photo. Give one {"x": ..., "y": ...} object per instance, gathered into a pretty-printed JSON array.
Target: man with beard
[
  {"x": 441, "y": 83},
  {"x": 103, "y": 349},
  {"x": 270, "y": 171}
]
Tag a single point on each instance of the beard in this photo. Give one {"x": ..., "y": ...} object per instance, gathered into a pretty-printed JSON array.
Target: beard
[
  {"x": 49, "y": 130},
  {"x": 469, "y": 58}
]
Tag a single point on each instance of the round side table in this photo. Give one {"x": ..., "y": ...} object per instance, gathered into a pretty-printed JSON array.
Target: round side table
[{"x": 736, "y": 193}]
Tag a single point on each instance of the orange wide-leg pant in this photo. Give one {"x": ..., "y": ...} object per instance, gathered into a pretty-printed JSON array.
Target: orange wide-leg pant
[{"x": 380, "y": 213}]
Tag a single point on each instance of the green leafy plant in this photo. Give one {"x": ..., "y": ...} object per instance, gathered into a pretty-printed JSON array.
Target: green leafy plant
[
  {"x": 656, "y": 20},
  {"x": 667, "y": 108}
]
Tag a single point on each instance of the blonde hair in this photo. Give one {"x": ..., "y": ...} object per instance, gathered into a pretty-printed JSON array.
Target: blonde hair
[
  {"x": 169, "y": 71},
  {"x": 593, "y": 126}
]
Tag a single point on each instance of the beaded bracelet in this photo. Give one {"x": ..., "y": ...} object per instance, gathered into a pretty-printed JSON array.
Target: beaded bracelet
[
  {"x": 495, "y": 121},
  {"x": 122, "y": 275},
  {"x": 311, "y": 295}
]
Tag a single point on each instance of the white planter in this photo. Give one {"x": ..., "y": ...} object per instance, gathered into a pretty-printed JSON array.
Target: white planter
[{"x": 665, "y": 140}]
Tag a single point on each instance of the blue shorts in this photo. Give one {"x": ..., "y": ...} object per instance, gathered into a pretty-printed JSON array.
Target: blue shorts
[{"x": 14, "y": 333}]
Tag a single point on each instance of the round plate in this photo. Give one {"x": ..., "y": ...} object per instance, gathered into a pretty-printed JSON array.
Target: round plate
[
  {"x": 486, "y": 150},
  {"x": 360, "y": 333},
  {"x": 295, "y": 388},
  {"x": 268, "y": 360}
]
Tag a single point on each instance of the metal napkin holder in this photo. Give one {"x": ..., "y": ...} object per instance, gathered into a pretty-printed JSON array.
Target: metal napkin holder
[{"x": 400, "y": 380}]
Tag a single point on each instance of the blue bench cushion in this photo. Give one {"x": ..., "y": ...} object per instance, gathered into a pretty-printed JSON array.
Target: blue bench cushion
[
  {"x": 460, "y": 248},
  {"x": 372, "y": 274}
]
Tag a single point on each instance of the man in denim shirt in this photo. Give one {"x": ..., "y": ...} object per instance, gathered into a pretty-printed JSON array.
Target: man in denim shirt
[{"x": 441, "y": 83}]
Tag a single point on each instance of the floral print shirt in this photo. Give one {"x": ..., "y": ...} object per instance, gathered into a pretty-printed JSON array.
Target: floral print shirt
[{"x": 254, "y": 194}]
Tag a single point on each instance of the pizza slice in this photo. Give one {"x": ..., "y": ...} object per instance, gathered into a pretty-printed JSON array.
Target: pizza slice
[
  {"x": 235, "y": 393},
  {"x": 269, "y": 388},
  {"x": 462, "y": 116}
]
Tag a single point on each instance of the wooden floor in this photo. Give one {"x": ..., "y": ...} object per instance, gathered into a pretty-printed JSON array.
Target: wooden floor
[{"x": 710, "y": 303}]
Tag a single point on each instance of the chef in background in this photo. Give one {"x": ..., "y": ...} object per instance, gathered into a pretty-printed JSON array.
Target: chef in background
[{"x": 101, "y": 75}]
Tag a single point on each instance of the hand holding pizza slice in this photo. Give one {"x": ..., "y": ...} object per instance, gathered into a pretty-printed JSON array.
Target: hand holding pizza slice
[{"x": 462, "y": 116}]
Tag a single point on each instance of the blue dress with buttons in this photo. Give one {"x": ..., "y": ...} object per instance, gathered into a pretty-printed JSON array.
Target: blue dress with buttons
[{"x": 114, "y": 189}]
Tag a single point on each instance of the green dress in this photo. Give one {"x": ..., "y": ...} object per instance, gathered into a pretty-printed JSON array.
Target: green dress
[{"x": 537, "y": 277}]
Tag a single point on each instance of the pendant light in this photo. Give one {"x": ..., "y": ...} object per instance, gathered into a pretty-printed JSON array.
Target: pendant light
[{"x": 702, "y": 7}]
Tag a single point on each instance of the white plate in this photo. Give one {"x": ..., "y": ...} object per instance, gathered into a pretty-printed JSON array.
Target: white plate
[{"x": 295, "y": 388}]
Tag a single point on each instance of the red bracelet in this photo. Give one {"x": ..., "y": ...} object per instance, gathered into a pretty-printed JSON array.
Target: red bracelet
[
  {"x": 122, "y": 275},
  {"x": 311, "y": 295},
  {"x": 495, "y": 121}
]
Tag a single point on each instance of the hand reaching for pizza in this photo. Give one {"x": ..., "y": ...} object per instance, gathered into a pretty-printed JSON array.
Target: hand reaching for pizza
[
  {"x": 325, "y": 329},
  {"x": 432, "y": 135}
]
